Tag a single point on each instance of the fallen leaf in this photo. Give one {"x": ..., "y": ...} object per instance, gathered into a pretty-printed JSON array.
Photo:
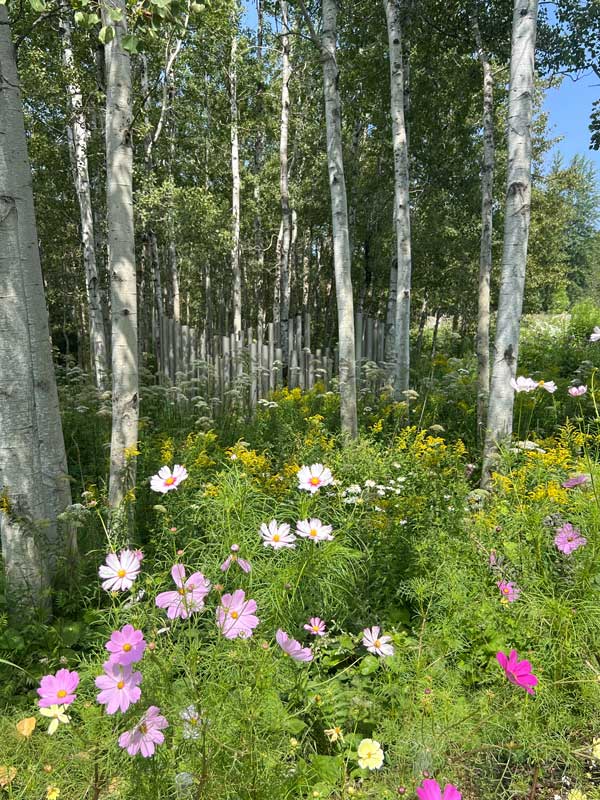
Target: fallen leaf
[
  {"x": 7, "y": 775},
  {"x": 26, "y": 726}
]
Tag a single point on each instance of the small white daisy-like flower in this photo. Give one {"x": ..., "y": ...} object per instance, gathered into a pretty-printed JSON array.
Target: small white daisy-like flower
[
  {"x": 377, "y": 644},
  {"x": 314, "y": 529},
  {"x": 277, "y": 535},
  {"x": 165, "y": 481},
  {"x": 57, "y": 715},
  {"x": 313, "y": 478}
]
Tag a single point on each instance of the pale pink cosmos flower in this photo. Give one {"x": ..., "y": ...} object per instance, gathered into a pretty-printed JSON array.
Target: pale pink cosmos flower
[
  {"x": 292, "y": 647},
  {"x": 509, "y": 591},
  {"x": 577, "y": 391},
  {"x": 595, "y": 336},
  {"x": 126, "y": 646},
  {"x": 166, "y": 480},
  {"x": 549, "y": 386},
  {"x": 120, "y": 571},
  {"x": 314, "y": 529},
  {"x": 119, "y": 685},
  {"x": 316, "y": 626},
  {"x": 568, "y": 539},
  {"x": 313, "y": 478},
  {"x": 146, "y": 734},
  {"x": 518, "y": 672},
  {"x": 377, "y": 644},
  {"x": 235, "y": 615},
  {"x": 58, "y": 689},
  {"x": 576, "y": 480},
  {"x": 522, "y": 384},
  {"x": 234, "y": 558},
  {"x": 189, "y": 596},
  {"x": 277, "y": 535},
  {"x": 431, "y": 790}
]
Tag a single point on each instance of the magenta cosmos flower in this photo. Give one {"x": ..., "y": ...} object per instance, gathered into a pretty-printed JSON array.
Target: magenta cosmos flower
[
  {"x": 120, "y": 571},
  {"x": 126, "y": 646},
  {"x": 314, "y": 529},
  {"x": 509, "y": 591},
  {"x": 189, "y": 596},
  {"x": 277, "y": 535},
  {"x": 58, "y": 689},
  {"x": 522, "y": 384},
  {"x": 313, "y": 478},
  {"x": 568, "y": 539},
  {"x": 377, "y": 644},
  {"x": 292, "y": 647},
  {"x": 316, "y": 626},
  {"x": 577, "y": 391},
  {"x": 517, "y": 672},
  {"x": 431, "y": 790},
  {"x": 146, "y": 734},
  {"x": 120, "y": 687},
  {"x": 234, "y": 558},
  {"x": 576, "y": 480},
  {"x": 166, "y": 480},
  {"x": 235, "y": 615}
]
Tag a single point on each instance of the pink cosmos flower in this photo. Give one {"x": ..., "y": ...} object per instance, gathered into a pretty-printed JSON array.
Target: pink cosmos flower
[
  {"x": 595, "y": 336},
  {"x": 549, "y": 386},
  {"x": 146, "y": 734},
  {"x": 235, "y": 615},
  {"x": 277, "y": 536},
  {"x": 377, "y": 644},
  {"x": 126, "y": 646},
  {"x": 314, "y": 529},
  {"x": 577, "y": 391},
  {"x": 576, "y": 480},
  {"x": 517, "y": 672},
  {"x": 189, "y": 596},
  {"x": 313, "y": 478},
  {"x": 293, "y": 648},
  {"x": 120, "y": 687},
  {"x": 120, "y": 571},
  {"x": 431, "y": 790},
  {"x": 568, "y": 539},
  {"x": 315, "y": 626},
  {"x": 509, "y": 591},
  {"x": 166, "y": 480},
  {"x": 233, "y": 558},
  {"x": 522, "y": 384},
  {"x": 58, "y": 689}
]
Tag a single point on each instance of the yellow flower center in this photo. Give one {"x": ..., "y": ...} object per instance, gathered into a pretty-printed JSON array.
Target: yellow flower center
[
  {"x": 234, "y": 615},
  {"x": 120, "y": 684},
  {"x": 315, "y": 628},
  {"x": 377, "y": 643},
  {"x": 193, "y": 721},
  {"x": 506, "y": 590},
  {"x": 276, "y": 538},
  {"x": 181, "y": 591},
  {"x": 170, "y": 481},
  {"x": 314, "y": 532},
  {"x": 61, "y": 693},
  {"x": 121, "y": 573},
  {"x": 126, "y": 647},
  {"x": 143, "y": 728},
  {"x": 315, "y": 481}
]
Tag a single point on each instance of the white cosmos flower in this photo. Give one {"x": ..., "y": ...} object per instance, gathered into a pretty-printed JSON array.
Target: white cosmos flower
[
  {"x": 314, "y": 529},
  {"x": 377, "y": 644},
  {"x": 166, "y": 480},
  {"x": 313, "y": 478},
  {"x": 57, "y": 715},
  {"x": 277, "y": 535}
]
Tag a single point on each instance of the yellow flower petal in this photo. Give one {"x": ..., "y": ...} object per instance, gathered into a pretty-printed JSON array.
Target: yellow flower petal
[
  {"x": 53, "y": 726},
  {"x": 26, "y": 726}
]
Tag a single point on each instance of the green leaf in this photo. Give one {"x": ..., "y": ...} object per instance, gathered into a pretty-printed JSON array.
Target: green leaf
[
  {"x": 79, "y": 17},
  {"x": 92, "y": 19},
  {"x": 368, "y": 665},
  {"x": 328, "y": 769},
  {"x": 107, "y": 34},
  {"x": 130, "y": 43},
  {"x": 38, "y": 5},
  {"x": 115, "y": 14},
  {"x": 295, "y": 725}
]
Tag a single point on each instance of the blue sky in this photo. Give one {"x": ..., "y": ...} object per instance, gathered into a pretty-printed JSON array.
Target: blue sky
[{"x": 568, "y": 107}]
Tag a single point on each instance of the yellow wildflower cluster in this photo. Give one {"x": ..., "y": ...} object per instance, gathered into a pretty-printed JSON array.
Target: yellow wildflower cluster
[
  {"x": 316, "y": 435},
  {"x": 196, "y": 448},
  {"x": 167, "y": 450},
  {"x": 253, "y": 462},
  {"x": 131, "y": 452},
  {"x": 552, "y": 490},
  {"x": 210, "y": 490}
]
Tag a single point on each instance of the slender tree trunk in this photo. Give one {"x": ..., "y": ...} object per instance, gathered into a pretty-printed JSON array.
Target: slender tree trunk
[
  {"x": 121, "y": 249},
  {"x": 485, "y": 255},
  {"x": 29, "y": 414},
  {"x": 259, "y": 145},
  {"x": 402, "y": 201},
  {"x": 236, "y": 266},
  {"x": 77, "y": 132},
  {"x": 516, "y": 231},
  {"x": 283, "y": 242},
  {"x": 339, "y": 207},
  {"x": 390, "y": 321}
]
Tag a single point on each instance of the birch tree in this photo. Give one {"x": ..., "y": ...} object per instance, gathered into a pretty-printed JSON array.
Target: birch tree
[
  {"x": 77, "y": 133},
  {"x": 402, "y": 201},
  {"x": 285, "y": 232},
  {"x": 516, "y": 230},
  {"x": 487, "y": 220},
  {"x": 326, "y": 45},
  {"x": 236, "y": 266},
  {"x": 121, "y": 250}
]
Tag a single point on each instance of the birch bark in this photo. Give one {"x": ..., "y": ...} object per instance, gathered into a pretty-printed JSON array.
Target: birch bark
[
  {"x": 284, "y": 239},
  {"x": 402, "y": 202},
  {"x": 516, "y": 231},
  {"x": 77, "y": 133},
  {"x": 236, "y": 266},
  {"x": 121, "y": 250}
]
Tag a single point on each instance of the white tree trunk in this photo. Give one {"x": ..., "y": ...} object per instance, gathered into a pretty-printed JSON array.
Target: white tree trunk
[
  {"x": 402, "y": 201},
  {"x": 121, "y": 249},
  {"x": 236, "y": 266},
  {"x": 77, "y": 133},
  {"x": 259, "y": 145},
  {"x": 283, "y": 242},
  {"x": 485, "y": 255},
  {"x": 516, "y": 230}
]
